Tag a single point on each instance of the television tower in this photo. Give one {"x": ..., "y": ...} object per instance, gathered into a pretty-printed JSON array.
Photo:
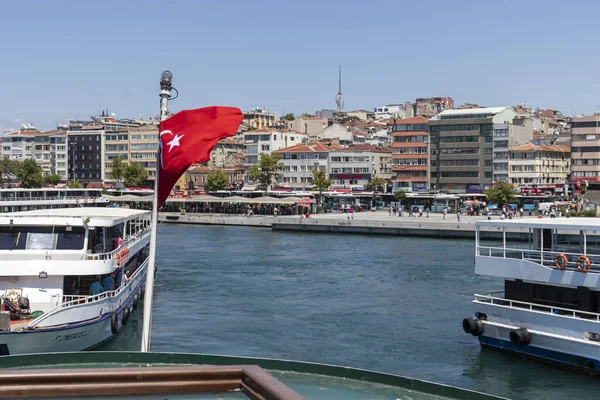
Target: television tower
[{"x": 339, "y": 99}]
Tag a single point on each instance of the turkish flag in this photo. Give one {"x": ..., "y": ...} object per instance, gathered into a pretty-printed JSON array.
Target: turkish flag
[{"x": 187, "y": 138}]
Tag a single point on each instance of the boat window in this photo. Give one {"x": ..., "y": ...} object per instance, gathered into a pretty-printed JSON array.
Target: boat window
[
  {"x": 41, "y": 241},
  {"x": 41, "y": 238}
]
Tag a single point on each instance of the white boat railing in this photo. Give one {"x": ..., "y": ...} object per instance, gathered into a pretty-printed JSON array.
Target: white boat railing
[
  {"x": 66, "y": 301},
  {"x": 522, "y": 305},
  {"x": 546, "y": 258},
  {"x": 82, "y": 199},
  {"x": 128, "y": 241}
]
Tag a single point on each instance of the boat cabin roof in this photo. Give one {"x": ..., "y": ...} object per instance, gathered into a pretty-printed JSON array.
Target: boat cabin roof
[
  {"x": 590, "y": 224},
  {"x": 93, "y": 216}
]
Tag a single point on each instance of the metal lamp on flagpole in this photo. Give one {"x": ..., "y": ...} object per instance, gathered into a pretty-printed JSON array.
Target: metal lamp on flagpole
[{"x": 166, "y": 85}]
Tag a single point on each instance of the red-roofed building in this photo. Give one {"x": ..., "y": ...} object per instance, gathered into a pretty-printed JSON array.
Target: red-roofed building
[
  {"x": 299, "y": 161},
  {"x": 410, "y": 146},
  {"x": 539, "y": 165}
]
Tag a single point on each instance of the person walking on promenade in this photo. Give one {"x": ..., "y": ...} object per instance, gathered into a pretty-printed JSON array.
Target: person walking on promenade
[
  {"x": 391, "y": 210},
  {"x": 445, "y": 211},
  {"x": 426, "y": 212},
  {"x": 458, "y": 214}
]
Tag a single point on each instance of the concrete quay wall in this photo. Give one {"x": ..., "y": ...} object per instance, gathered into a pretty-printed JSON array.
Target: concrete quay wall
[
  {"x": 208, "y": 219},
  {"x": 442, "y": 230},
  {"x": 364, "y": 224}
]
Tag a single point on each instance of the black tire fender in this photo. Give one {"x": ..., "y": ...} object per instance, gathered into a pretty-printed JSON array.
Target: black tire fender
[
  {"x": 136, "y": 299},
  {"x": 125, "y": 316},
  {"x": 114, "y": 323}
]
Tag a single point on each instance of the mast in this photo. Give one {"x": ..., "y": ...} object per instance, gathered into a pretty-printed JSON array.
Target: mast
[{"x": 166, "y": 84}]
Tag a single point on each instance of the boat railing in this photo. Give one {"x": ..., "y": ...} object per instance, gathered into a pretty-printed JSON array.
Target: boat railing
[
  {"x": 66, "y": 301},
  {"x": 112, "y": 254},
  {"x": 522, "y": 305},
  {"x": 546, "y": 258},
  {"x": 82, "y": 199}
]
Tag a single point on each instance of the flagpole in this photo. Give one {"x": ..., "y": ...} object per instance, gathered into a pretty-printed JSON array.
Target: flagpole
[{"x": 166, "y": 81}]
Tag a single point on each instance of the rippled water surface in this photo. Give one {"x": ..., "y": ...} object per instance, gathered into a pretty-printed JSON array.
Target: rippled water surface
[{"x": 389, "y": 304}]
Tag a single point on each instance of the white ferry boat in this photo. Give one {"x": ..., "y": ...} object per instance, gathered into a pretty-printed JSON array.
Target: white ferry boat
[
  {"x": 550, "y": 307},
  {"x": 19, "y": 199},
  {"x": 69, "y": 278}
]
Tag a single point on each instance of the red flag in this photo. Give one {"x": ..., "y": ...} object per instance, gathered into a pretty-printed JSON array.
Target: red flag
[{"x": 187, "y": 138}]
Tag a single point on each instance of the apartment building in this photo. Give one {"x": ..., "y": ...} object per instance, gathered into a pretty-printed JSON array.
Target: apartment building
[
  {"x": 358, "y": 165},
  {"x": 223, "y": 151},
  {"x": 539, "y": 165},
  {"x": 58, "y": 153},
  {"x": 259, "y": 118},
  {"x": 18, "y": 145},
  {"x": 84, "y": 153},
  {"x": 470, "y": 147},
  {"x": 585, "y": 150},
  {"x": 311, "y": 126},
  {"x": 410, "y": 155},
  {"x": 197, "y": 174},
  {"x": 134, "y": 145},
  {"x": 267, "y": 140},
  {"x": 300, "y": 160}
]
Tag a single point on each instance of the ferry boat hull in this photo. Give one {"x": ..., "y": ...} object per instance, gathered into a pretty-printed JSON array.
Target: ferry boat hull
[{"x": 82, "y": 335}]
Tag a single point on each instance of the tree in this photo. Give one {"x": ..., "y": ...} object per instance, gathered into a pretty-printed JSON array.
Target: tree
[
  {"x": 52, "y": 179},
  {"x": 8, "y": 169},
  {"x": 289, "y": 117},
  {"x": 191, "y": 185},
  {"x": 216, "y": 180},
  {"x": 399, "y": 195},
  {"x": 501, "y": 193},
  {"x": 117, "y": 169},
  {"x": 375, "y": 184},
  {"x": 74, "y": 185},
  {"x": 320, "y": 182},
  {"x": 266, "y": 170},
  {"x": 30, "y": 174},
  {"x": 134, "y": 175}
]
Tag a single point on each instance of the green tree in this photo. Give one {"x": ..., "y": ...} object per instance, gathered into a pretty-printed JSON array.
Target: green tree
[
  {"x": 216, "y": 180},
  {"x": 501, "y": 193},
  {"x": 191, "y": 185},
  {"x": 30, "y": 174},
  {"x": 8, "y": 169},
  {"x": 134, "y": 175},
  {"x": 320, "y": 182},
  {"x": 118, "y": 169},
  {"x": 289, "y": 117},
  {"x": 376, "y": 183},
  {"x": 74, "y": 185},
  {"x": 399, "y": 195},
  {"x": 52, "y": 179},
  {"x": 266, "y": 171}
]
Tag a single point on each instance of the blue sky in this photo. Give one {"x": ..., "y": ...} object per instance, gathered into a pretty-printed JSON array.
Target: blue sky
[{"x": 70, "y": 59}]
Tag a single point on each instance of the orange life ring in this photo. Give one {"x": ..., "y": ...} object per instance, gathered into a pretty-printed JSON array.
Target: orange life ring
[
  {"x": 85, "y": 200},
  {"x": 94, "y": 199},
  {"x": 76, "y": 199},
  {"x": 586, "y": 264},
  {"x": 561, "y": 261},
  {"x": 122, "y": 256}
]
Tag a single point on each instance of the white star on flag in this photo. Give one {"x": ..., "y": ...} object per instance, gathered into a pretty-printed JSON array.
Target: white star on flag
[{"x": 174, "y": 142}]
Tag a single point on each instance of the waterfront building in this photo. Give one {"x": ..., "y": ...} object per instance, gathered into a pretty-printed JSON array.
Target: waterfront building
[
  {"x": 84, "y": 152},
  {"x": 197, "y": 174},
  {"x": 410, "y": 157},
  {"x": 335, "y": 133},
  {"x": 142, "y": 149},
  {"x": 58, "y": 153},
  {"x": 267, "y": 140},
  {"x": 470, "y": 147},
  {"x": 301, "y": 159},
  {"x": 259, "y": 118},
  {"x": 18, "y": 145},
  {"x": 358, "y": 165},
  {"x": 540, "y": 166},
  {"x": 585, "y": 150}
]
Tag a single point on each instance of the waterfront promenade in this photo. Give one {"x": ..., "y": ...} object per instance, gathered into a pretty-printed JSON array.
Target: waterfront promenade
[{"x": 377, "y": 222}]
